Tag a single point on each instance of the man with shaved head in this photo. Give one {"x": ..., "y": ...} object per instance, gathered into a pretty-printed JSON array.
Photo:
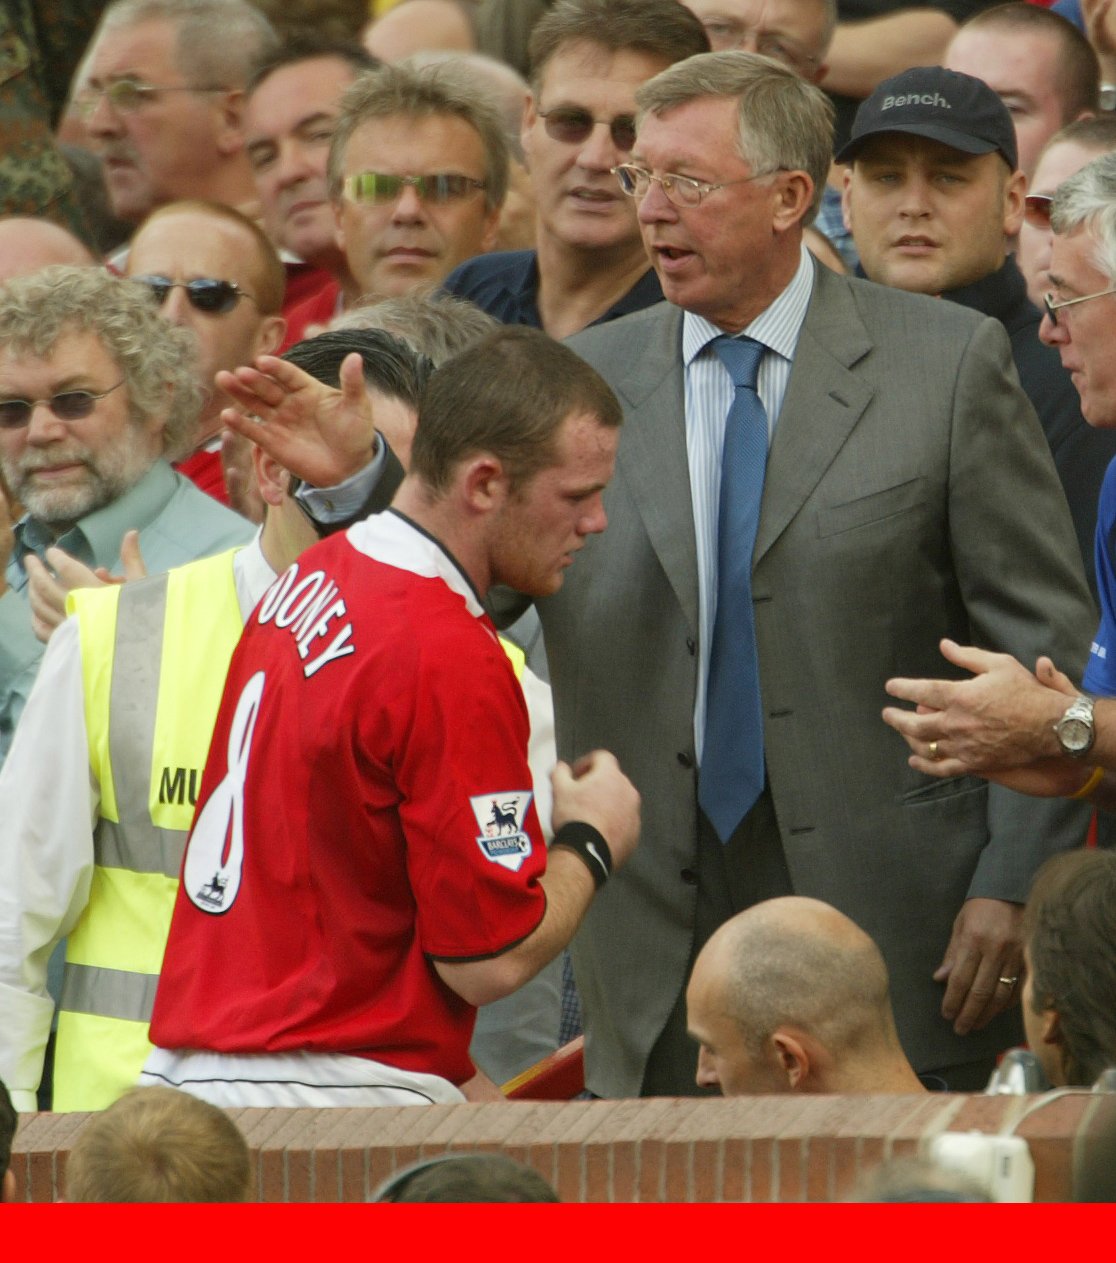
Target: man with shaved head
[
  {"x": 792, "y": 996},
  {"x": 26, "y": 245}
]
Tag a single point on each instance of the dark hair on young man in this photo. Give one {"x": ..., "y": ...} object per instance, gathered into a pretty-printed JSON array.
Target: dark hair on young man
[
  {"x": 9, "y": 1120},
  {"x": 658, "y": 28},
  {"x": 1069, "y": 930},
  {"x": 467, "y": 1177},
  {"x": 390, "y": 365},
  {"x": 308, "y": 46},
  {"x": 507, "y": 395},
  {"x": 1078, "y": 73}
]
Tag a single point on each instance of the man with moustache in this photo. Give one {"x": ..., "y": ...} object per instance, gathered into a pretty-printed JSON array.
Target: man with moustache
[{"x": 162, "y": 93}]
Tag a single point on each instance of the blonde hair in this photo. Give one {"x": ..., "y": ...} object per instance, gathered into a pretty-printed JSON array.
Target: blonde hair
[{"x": 159, "y": 1145}]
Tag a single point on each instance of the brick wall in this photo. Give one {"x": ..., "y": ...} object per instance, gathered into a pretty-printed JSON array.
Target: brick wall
[{"x": 783, "y": 1149}]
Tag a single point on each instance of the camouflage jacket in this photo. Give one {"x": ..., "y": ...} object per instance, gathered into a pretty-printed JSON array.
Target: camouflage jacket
[{"x": 41, "y": 43}]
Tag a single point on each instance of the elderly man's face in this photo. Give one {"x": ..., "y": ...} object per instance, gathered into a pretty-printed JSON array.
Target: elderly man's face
[
  {"x": 928, "y": 218},
  {"x": 1083, "y": 332},
  {"x": 158, "y": 146},
  {"x": 1021, "y": 67},
  {"x": 184, "y": 246},
  {"x": 288, "y": 123},
  {"x": 63, "y": 470},
  {"x": 790, "y": 31},
  {"x": 398, "y": 245},
  {"x": 719, "y": 259}
]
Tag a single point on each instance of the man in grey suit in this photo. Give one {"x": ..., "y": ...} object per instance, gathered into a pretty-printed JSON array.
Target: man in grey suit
[{"x": 908, "y": 495}]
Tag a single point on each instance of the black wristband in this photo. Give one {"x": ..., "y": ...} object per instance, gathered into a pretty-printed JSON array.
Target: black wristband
[{"x": 589, "y": 846}]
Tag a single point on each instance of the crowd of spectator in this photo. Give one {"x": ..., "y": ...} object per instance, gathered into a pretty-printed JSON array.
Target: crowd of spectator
[{"x": 471, "y": 472}]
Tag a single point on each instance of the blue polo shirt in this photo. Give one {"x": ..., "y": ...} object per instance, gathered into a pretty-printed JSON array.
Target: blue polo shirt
[{"x": 506, "y": 285}]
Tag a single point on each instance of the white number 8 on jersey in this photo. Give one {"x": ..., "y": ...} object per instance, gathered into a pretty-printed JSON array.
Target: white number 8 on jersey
[{"x": 215, "y": 851}]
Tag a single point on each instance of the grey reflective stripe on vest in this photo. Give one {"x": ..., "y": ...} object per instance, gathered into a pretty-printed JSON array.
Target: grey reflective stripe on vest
[
  {"x": 135, "y": 843},
  {"x": 108, "y": 992}
]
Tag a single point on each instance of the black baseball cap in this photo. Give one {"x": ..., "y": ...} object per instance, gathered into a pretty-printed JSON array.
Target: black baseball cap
[{"x": 942, "y": 105}]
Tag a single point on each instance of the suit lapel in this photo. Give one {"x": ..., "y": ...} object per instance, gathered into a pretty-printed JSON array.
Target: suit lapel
[
  {"x": 652, "y": 457},
  {"x": 823, "y": 403}
]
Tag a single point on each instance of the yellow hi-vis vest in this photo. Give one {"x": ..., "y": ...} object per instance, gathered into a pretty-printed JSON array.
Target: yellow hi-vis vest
[
  {"x": 149, "y": 725},
  {"x": 150, "y": 719}
]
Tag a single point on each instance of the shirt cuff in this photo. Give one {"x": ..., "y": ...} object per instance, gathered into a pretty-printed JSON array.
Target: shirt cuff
[{"x": 344, "y": 501}]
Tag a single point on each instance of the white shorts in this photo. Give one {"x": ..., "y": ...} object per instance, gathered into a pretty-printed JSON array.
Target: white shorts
[{"x": 267, "y": 1080}]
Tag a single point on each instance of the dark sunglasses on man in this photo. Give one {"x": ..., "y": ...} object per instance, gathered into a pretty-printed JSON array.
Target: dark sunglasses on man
[
  {"x": 214, "y": 297},
  {"x": 572, "y": 125}
]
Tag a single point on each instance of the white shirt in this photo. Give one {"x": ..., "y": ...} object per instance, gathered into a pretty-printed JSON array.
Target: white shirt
[
  {"x": 709, "y": 395},
  {"x": 49, "y": 806}
]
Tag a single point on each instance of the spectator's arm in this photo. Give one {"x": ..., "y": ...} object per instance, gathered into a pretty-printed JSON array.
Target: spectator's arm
[{"x": 863, "y": 54}]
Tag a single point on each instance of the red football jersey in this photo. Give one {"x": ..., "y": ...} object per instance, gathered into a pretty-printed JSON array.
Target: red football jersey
[{"x": 366, "y": 807}]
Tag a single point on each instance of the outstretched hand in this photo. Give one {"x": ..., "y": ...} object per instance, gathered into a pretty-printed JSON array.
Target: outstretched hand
[{"x": 320, "y": 434}]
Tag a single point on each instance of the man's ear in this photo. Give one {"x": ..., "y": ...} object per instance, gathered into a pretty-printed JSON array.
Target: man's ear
[
  {"x": 484, "y": 483},
  {"x": 230, "y": 126},
  {"x": 846, "y": 197},
  {"x": 491, "y": 230},
  {"x": 1051, "y": 1032},
  {"x": 8, "y": 1186},
  {"x": 270, "y": 335},
  {"x": 530, "y": 115},
  {"x": 793, "y": 1059},
  {"x": 793, "y": 193},
  {"x": 1015, "y": 192},
  {"x": 272, "y": 478}
]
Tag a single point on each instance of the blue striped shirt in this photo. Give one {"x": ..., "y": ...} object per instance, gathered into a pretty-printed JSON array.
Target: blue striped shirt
[{"x": 709, "y": 395}]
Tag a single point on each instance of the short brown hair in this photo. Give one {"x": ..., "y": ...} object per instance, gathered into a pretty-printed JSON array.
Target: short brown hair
[
  {"x": 159, "y": 1145},
  {"x": 1069, "y": 929},
  {"x": 270, "y": 275},
  {"x": 659, "y": 28},
  {"x": 507, "y": 395},
  {"x": 1078, "y": 71},
  {"x": 444, "y": 90}
]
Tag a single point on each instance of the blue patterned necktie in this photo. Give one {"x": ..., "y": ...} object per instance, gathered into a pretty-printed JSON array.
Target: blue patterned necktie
[{"x": 731, "y": 775}]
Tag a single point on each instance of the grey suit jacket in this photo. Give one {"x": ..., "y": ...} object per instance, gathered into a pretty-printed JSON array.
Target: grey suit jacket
[{"x": 909, "y": 496}]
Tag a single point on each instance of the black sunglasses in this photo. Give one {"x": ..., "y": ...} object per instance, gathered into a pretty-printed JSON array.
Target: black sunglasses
[
  {"x": 214, "y": 297},
  {"x": 70, "y": 405},
  {"x": 572, "y": 125}
]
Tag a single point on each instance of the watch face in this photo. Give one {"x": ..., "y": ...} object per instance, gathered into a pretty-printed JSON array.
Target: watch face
[{"x": 1075, "y": 734}]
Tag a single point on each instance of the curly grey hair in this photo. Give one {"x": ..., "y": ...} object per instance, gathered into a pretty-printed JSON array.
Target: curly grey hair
[{"x": 158, "y": 361}]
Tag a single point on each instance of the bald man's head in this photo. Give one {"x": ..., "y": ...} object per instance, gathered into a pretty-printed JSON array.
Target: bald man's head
[
  {"x": 792, "y": 995},
  {"x": 28, "y": 245}
]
